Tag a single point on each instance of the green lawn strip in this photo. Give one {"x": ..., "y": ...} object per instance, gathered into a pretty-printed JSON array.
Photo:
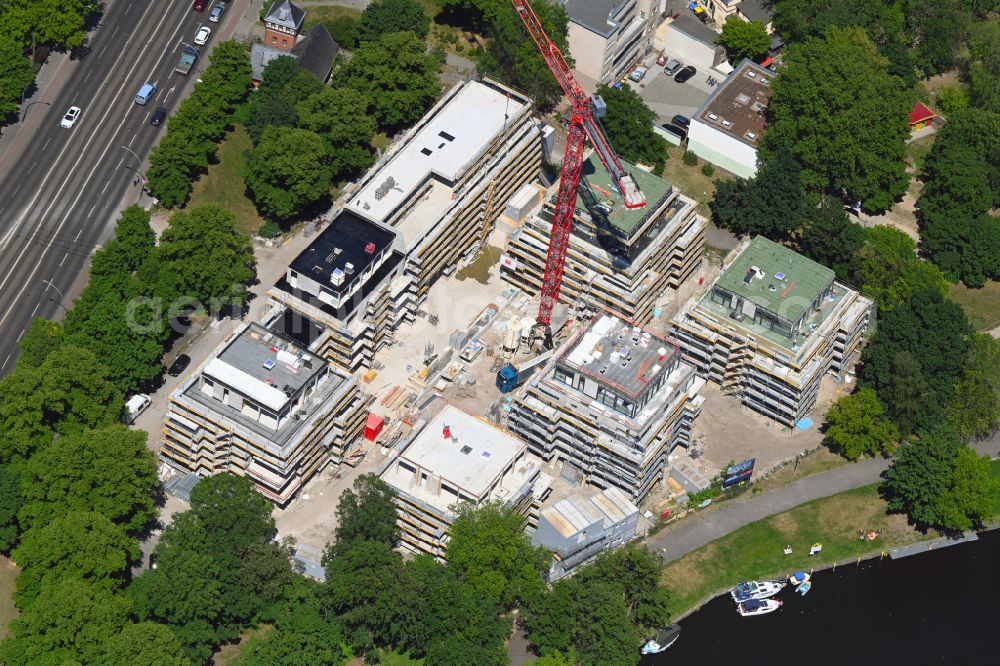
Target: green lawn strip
[
  {"x": 230, "y": 654},
  {"x": 982, "y": 306},
  {"x": 327, "y": 14},
  {"x": 755, "y": 551},
  {"x": 995, "y": 471},
  {"x": 394, "y": 658},
  {"x": 223, "y": 184},
  {"x": 8, "y": 611},
  {"x": 916, "y": 151}
]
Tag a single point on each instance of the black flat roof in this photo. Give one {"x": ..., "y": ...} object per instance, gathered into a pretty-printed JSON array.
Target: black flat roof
[{"x": 347, "y": 240}]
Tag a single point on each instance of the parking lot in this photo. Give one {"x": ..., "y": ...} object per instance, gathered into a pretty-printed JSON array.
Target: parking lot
[{"x": 668, "y": 98}]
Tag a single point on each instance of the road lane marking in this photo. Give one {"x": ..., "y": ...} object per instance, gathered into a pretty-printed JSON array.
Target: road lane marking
[
  {"x": 55, "y": 199},
  {"x": 47, "y": 143},
  {"x": 32, "y": 167},
  {"x": 89, "y": 213},
  {"x": 31, "y": 317},
  {"x": 58, "y": 160},
  {"x": 63, "y": 259},
  {"x": 106, "y": 186},
  {"x": 89, "y": 72},
  {"x": 6, "y": 360}
]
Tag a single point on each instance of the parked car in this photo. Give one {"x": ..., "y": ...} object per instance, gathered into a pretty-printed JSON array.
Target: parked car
[
  {"x": 179, "y": 365},
  {"x": 681, "y": 121},
  {"x": 158, "y": 116},
  {"x": 204, "y": 32},
  {"x": 685, "y": 74},
  {"x": 136, "y": 405},
  {"x": 199, "y": 5},
  {"x": 70, "y": 118},
  {"x": 661, "y": 61},
  {"x": 679, "y": 132},
  {"x": 638, "y": 74},
  {"x": 672, "y": 66},
  {"x": 216, "y": 14}
]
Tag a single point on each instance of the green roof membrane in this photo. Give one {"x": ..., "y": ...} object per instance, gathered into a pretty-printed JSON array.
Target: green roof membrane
[
  {"x": 784, "y": 282},
  {"x": 624, "y": 219}
]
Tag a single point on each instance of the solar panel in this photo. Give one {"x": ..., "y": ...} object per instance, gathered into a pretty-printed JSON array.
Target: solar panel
[{"x": 779, "y": 276}]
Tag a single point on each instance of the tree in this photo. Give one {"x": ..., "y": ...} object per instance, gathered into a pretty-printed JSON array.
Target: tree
[
  {"x": 341, "y": 117},
  {"x": 511, "y": 55},
  {"x": 921, "y": 474},
  {"x": 889, "y": 270},
  {"x": 38, "y": 341},
  {"x": 969, "y": 499},
  {"x": 939, "y": 28},
  {"x": 637, "y": 570},
  {"x": 384, "y": 16},
  {"x": 857, "y": 426},
  {"x": 66, "y": 394},
  {"x": 831, "y": 239},
  {"x": 80, "y": 545},
  {"x": 206, "y": 258},
  {"x": 366, "y": 513},
  {"x": 843, "y": 116},
  {"x": 629, "y": 125},
  {"x": 144, "y": 644},
  {"x": 283, "y": 86},
  {"x": 305, "y": 634},
  {"x": 744, "y": 39},
  {"x": 10, "y": 504},
  {"x": 67, "y": 624},
  {"x": 396, "y": 75},
  {"x": 490, "y": 552},
  {"x": 290, "y": 170},
  {"x": 58, "y": 23},
  {"x": 108, "y": 470},
  {"x": 16, "y": 73},
  {"x": 134, "y": 236},
  {"x": 975, "y": 406},
  {"x": 771, "y": 204}
]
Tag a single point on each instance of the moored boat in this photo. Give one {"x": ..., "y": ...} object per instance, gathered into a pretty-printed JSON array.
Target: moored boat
[
  {"x": 798, "y": 578},
  {"x": 664, "y": 638},
  {"x": 804, "y": 588},
  {"x": 752, "y": 589},
  {"x": 757, "y": 607}
]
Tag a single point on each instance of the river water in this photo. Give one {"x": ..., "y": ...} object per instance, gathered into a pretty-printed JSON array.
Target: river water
[{"x": 939, "y": 607}]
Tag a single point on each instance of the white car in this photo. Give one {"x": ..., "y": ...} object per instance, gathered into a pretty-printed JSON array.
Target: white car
[
  {"x": 70, "y": 118},
  {"x": 204, "y": 32}
]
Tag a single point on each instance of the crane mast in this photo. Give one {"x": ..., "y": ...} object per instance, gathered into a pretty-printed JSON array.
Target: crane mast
[{"x": 583, "y": 125}]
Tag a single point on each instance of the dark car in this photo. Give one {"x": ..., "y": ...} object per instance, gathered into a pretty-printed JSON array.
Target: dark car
[
  {"x": 679, "y": 132},
  {"x": 685, "y": 74},
  {"x": 681, "y": 121},
  {"x": 158, "y": 116},
  {"x": 199, "y": 5},
  {"x": 179, "y": 365}
]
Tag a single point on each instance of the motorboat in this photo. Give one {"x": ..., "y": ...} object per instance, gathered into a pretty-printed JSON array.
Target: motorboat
[
  {"x": 752, "y": 607},
  {"x": 752, "y": 589},
  {"x": 804, "y": 588},
  {"x": 664, "y": 638},
  {"x": 798, "y": 578}
]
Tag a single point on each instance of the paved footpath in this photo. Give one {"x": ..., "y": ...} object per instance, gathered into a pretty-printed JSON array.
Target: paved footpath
[{"x": 703, "y": 528}]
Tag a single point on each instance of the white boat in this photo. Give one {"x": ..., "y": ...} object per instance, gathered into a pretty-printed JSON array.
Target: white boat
[
  {"x": 758, "y": 607},
  {"x": 663, "y": 639},
  {"x": 752, "y": 589},
  {"x": 798, "y": 578}
]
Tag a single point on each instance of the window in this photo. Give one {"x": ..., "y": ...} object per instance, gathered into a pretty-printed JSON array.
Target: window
[
  {"x": 564, "y": 376},
  {"x": 274, "y": 40}
]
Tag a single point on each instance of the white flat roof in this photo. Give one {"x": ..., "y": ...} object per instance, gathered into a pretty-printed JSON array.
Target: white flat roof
[
  {"x": 490, "y": 450},
  {"x": 577, "y": 512},
  {"x": 246, "y": 384},
  {"x": 455, "y": 135}
]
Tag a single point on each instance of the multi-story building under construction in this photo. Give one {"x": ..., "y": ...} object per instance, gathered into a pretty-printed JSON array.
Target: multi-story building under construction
[
  {"x": 265, "y": 408},
  {"x": 773, "y": 324},
  {"x": 619, "y": 259},
  {"x": 611, "y": 406},
  {"x": 424, "y": 209}
]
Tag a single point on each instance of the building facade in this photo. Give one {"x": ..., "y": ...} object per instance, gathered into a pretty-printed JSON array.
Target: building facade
[
  {"x": 618, "y": 259},
  {"x": 727, "y": 129},
  {"x": 581, "y": 527},
  {"x": 425, "y": 209},
  {"x": 773, "y": 324},
  {"x": 459, "y": 459},
  {"x": 283, "y": 25},
  {"x": 611, "y": 407},
  {"x": 607, "y": 38},
  {"x": 263, "y": 407}
]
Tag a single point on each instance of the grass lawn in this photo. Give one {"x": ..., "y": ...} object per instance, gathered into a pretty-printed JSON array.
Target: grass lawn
[
  {"x": 327, "y": 14},
  {"x": 223, "y": 184},
  {"x": 8, "y": 611},
  {"x": 916, "y": 152},
  {"x": 995, "y": 471},
  {"x": 690, "y": 180},
  {"x": 982, "y": 306},
  {"x": 755, "y": 551},
  {"x": 814, "y": 462},
  {"x": 230, "y": 654}
]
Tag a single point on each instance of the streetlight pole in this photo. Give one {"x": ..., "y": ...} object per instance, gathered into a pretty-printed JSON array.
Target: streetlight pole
[
  {"x": 62, "y": 297},
  {"x": 138, "y": 170}
]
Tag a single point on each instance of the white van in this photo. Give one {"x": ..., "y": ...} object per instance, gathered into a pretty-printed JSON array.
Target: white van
[
  {"x": 136, "y": 405},
  {"x": 146, "y": 93}
]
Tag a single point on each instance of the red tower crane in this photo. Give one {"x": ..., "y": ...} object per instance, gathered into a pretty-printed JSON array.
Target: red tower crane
[{"x": 583, "y": 125}]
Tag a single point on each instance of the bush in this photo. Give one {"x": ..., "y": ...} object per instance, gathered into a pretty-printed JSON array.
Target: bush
[
  {"x": 690, "y": 158},
  {"x": 708, "y": 169},
  {"x": 269, "y": 229}
]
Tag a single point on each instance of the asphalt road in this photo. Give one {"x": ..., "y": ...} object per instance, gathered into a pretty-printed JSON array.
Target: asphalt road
[{"x": 60, "y": 198}]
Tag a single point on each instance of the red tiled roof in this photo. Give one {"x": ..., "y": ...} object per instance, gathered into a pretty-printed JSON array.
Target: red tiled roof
[{"x": 920, "y": 113}]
